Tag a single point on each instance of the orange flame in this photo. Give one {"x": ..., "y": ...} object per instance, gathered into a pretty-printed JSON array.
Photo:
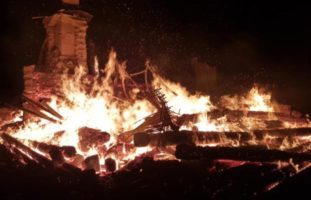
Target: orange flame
[{"x": 93, "y": 102}]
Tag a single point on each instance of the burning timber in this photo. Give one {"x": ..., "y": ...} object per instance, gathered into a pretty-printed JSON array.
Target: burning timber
[
  {"x": 188, "y": 137},
  {"x": 213, "y": 137},
  {"x": 248, "y": 153},
  {"x": 15, "y": 144}
]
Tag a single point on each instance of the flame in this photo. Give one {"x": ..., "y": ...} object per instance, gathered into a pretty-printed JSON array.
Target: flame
[
  {"x": 97, "y": 108},
  {"x": 96, "y": 65},
  {"x": 94, "y": 102},
  {"x": 258, "y": 101},
  {"x": 204, "y": 123},
  {"x": 179, "y": 98},
  {"x": 255, "y": 100}
]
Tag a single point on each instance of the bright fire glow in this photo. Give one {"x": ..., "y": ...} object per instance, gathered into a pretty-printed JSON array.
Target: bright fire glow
[{"x": 94, "y": 102}]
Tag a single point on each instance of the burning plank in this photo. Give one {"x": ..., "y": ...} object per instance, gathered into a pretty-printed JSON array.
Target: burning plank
[
  {"x": 249, "y": 153},
  {"x": 31, "y": 110},
  {"x": 36, "y": 108},
  {"x": 291, "y": 132},
  {"x": 188, "y": 137},
  {"x": 236, "y": 115}
]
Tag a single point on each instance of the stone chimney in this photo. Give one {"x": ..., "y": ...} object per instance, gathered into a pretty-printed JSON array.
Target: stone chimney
[{"x": 64, "y": 47}]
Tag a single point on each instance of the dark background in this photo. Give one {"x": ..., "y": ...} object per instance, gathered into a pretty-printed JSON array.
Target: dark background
[{"x": 246, "y": 41}]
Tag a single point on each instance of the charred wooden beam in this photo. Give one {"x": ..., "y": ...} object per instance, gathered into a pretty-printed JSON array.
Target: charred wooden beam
[
  {"x": 303, "y": 147},
  {"x": 10, "y": 157},
  {"x": 291, "y": 132},
  {"x": 51, "y": 110},
  {"x": 68, "y": 151},
  {"x": 200, "y": 137},
  {"x": 21, "y": 156},
  {"x": 12, "y": 142},
  {"x": 162, "y": 139},
  {"x": 249, "y": 153},
  {"x": 236, "y": 115},
  {"x": 216, "y": 113},
  {"x": 188, "y": 137},
  {"x": 31, "y": 110},
  {"x": 37, "y": 106}
]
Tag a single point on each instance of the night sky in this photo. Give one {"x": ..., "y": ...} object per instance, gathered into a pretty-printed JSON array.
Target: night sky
[{"x": 246, "y": 41}]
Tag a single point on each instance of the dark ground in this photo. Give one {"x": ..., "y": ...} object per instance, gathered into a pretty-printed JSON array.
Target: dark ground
[{"x": 246, "y": 41}]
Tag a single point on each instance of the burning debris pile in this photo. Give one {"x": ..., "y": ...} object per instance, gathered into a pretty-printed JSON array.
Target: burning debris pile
[
  {"x": 113, "y": 134},
  {"x": 127, "y": 132}
]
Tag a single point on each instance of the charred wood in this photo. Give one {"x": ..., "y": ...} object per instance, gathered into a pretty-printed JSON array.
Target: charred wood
[
  {"x": 236, "y": 115},
  {"x": 68, "y": 151},
  {"x": 40, "y": 106},
  {"x": 303, "y": 147},
  {"x": 248, "y": 153},
  {"x": 92, "y": 162},
  {"x": 187, "y": 137},
  {"x": 162, "y": 139},
  {"x": 48, "y": 108},
  {"x": 57, "y": 156},
  {"x": 149, "y": 121},
  {"x": 31, "y": 110},
  {"x": 12, "y": 142},
  {"x": 110, "y": 165},
  {"x": 14, "y": 125},
  {"x": 77, "y": 160},
  {"x": 21, "y": 157},
  {"x": 118, "y": 150},
  {"x": 292, "y": 132},
  {"x": 89, "y": 138},
  {"x": 188, "y": 179},
  {"x": 245, "y": 181},
  {"x": 298, "y": 186}
]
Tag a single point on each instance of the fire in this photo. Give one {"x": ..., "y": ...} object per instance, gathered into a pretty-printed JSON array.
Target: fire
[
  {"x": 258, "y": 101},
  {"x": 98, "y": 108},
  {"x": 255, "y": 100},
  {"x": 180, "y": 100},
  {"x": 95, "y": 103},
  {"x": 205, "y": 124}
]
